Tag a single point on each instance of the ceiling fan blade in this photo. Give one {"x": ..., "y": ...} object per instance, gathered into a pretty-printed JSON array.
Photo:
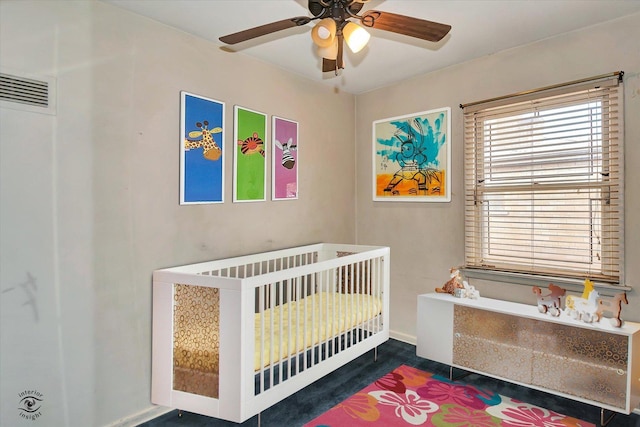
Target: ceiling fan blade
[
  {"x": 263, "y": 30},
  {"x": 406, "y": 25}
]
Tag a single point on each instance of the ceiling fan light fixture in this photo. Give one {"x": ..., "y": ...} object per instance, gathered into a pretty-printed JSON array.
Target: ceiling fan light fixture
[
  {"x": 324, "y": 32},
  {"x": 355, "y": 36},
  {"x": 335, "y": 28},
  {"x": 329, "y": 52}
]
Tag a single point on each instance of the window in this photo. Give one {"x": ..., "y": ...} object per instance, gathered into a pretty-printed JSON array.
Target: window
[{"x": 543, "y": 182}]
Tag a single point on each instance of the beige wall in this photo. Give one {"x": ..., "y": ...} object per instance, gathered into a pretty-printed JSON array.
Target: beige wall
[
  {"x": 90, "y": 195},
  {"x": 427, "y": 239}
]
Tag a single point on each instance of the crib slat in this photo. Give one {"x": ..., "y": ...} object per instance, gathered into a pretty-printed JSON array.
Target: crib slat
[
  {"x": 356, "y": 300},
  {"x": 279, "y": 286},
  {"x": 378, "y": 290},
  {"x": 354, "y": 303},
  {"x": 305, "y": 324},
  {"x": 299, "y": 298},
  {"x": 340, "y": 310},
  {"x": 379, "y": 283},
  {"x": 321, "y": 315},
  {"x": 290, "y": 344},
  {"x": 313, "y": 319},
  {"x": 272, "y": 296},
  {"x": 350, "y": 304},
  {"x": 322, "y": 318},
  {"x": 262, "y": 302},
  {"x": 330, "y": 331}
]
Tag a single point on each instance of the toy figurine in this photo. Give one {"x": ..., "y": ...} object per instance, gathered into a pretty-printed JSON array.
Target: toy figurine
[
  {"x": 455, "y": 282},
  {"x": 471, "y": 291},
  {"x": 552, "y": 302},
  {"x": 588, "y": 287},
  {"x": 583, "y": 308},
  {"x": 612, "y": 305}
]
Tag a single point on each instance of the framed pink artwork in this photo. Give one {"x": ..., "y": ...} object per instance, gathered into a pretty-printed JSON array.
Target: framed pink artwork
[{"x": 285, "y": 153}]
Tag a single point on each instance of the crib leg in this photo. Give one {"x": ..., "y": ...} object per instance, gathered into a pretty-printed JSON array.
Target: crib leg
[
  {"x": 375, "y": 354},
  {"x": 179, "y": 413},
  {"x": 259, "y": 413}
]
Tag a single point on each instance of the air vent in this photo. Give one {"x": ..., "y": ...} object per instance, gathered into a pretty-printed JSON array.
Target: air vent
[{"x": 28, "y": 94}]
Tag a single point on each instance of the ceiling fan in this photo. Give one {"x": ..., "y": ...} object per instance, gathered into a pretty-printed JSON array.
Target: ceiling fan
[{"x": 336, "y": 26}]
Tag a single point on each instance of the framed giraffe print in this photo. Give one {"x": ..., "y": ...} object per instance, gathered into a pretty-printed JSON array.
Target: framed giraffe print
[
  {"x": 412, "y": 157},
  {"x": 250, "y": 157},
  {"x": 201, "y": 150},
  {"x": 284, "y": 159}
]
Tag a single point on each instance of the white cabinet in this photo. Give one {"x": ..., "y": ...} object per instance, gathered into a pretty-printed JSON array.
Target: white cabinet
[{"x": 592, "y": 363}]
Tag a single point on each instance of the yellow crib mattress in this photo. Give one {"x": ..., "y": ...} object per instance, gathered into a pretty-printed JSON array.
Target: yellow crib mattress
[{"x": 292, "y": 327}]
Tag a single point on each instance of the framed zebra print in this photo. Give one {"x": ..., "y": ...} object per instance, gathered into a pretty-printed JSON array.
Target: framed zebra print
[
  {"x": 284, "y": 159},
  {"x": 201, "y": 150},
  {"x": 250, "y": 159}
]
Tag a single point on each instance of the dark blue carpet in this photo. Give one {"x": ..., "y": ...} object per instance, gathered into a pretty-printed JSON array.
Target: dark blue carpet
[{"x": 325, "y": 393}]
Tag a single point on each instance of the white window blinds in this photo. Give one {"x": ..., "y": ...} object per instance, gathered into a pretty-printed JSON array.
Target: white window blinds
[{"x": 543, "y": 182}]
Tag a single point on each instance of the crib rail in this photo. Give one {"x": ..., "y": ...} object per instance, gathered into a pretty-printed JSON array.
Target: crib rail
[{"x": 260, "y": 267}]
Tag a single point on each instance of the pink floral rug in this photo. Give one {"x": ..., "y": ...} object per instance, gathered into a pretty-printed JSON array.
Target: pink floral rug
[{"x": 410, "y": 397}]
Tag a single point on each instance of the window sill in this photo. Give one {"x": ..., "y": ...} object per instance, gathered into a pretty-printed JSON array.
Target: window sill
[{"x": 541, "y": 281}]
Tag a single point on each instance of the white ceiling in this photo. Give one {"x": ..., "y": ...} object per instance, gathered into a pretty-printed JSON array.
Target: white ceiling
[{"x": 480, "y": 27}]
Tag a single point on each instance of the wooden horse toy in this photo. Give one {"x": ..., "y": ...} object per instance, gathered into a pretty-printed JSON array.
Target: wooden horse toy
[
  {"x": 551, "y": 302},
  {"x": 612, "y": 305}
]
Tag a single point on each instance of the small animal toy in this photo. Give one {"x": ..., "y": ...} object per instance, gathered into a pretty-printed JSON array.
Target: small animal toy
[
  {"x": 583, "y": 308},
  {"x": 455, "y": 282},
  {"x": 552, "y": 302},
  {"x": 612, "y": 305}
]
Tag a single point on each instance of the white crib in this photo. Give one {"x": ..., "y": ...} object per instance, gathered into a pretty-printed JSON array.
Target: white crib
[{"x": 232, "y": 337}]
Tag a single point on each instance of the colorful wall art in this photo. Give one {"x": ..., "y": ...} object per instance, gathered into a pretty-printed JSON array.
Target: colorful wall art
[
  {"x": 284, "y": 155},
  {"x": 412, "y": 157},
  {"x": 202, "y": 151},
  {"x": 249, "y": 171}
]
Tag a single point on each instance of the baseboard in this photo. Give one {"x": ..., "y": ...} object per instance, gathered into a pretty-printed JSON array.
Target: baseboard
[
  {"x": 409, "y": 339},
  {"x": 141, "y": 417}
]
